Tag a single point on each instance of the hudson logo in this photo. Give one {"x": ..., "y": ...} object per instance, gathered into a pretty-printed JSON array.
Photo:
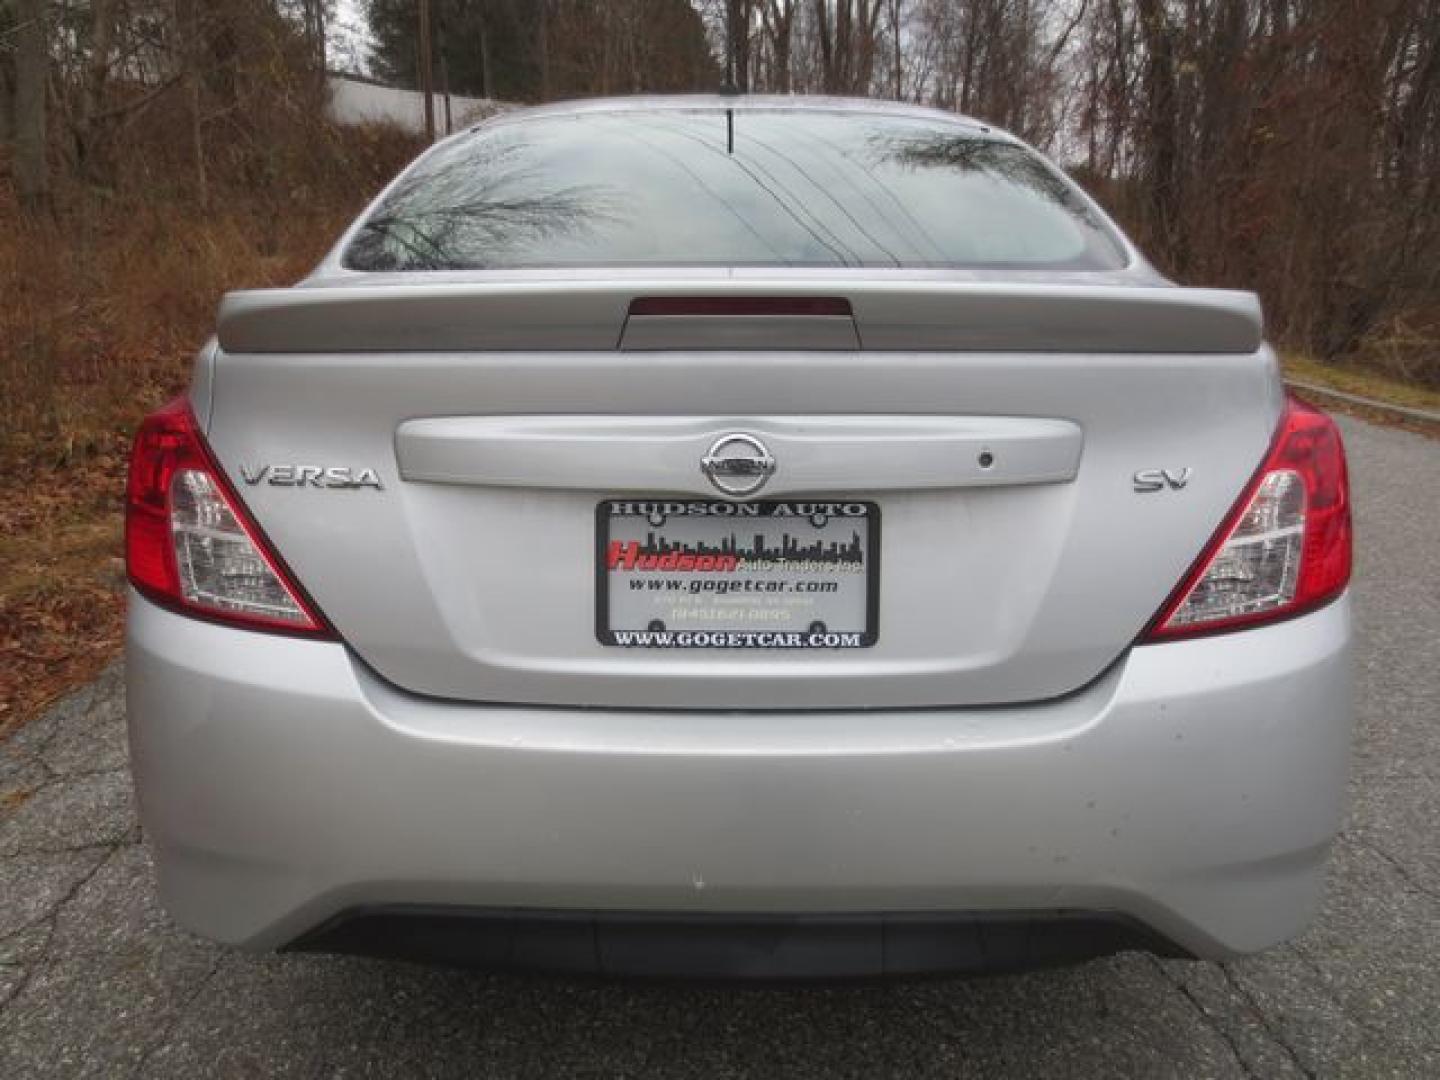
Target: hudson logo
[
  {"x": 320, "y": 476},
  {"x": 622, "y": 556}
]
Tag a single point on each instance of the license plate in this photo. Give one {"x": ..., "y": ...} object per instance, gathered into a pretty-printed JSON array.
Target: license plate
[{"x": 678, "y": 574}]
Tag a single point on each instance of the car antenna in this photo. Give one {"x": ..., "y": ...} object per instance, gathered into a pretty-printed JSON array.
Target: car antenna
[{"x": 729, "y": 87}]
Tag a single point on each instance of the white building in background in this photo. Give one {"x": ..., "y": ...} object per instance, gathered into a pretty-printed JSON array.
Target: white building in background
[{"x": 354, "y": 100}]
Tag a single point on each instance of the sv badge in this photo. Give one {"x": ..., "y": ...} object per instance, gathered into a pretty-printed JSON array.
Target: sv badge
[{"x": 1151, "y": 480}]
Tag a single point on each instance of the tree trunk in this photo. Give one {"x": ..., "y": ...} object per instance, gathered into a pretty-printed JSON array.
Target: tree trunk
[
  {"x": 1162, "y": 129},
  {"x": 7, "y": 99},
  {"x": 737, "y": 43},
  {"x": 97, "y": 72},
  {"x": 445, "y": 91},
  {"x": 895, "y": 59},
  {"x": 487, "y": 75},
  {"x": 315, "y": 31},
  {"x": 542, "y": 44},
  {"x": 194, "y": 58},
  {"x": 827, "y": 46},
  {"x": 742, "y": 46},
  {"x": 32, "y": 59},
  {"x": 779, "y": 19},
  {"x": 427, "y": 69}
]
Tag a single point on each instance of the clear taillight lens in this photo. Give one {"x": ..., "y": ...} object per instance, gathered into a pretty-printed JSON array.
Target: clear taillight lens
[
  {"x": 1284, "y": 548},
  {"x": 1258, "y": 568},
  {"x": 190, "y": 545},
  {"x": 219, "y": 566}
]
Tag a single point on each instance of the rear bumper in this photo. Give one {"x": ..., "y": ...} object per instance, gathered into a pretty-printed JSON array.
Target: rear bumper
[{"x": 1194, "y": 789}]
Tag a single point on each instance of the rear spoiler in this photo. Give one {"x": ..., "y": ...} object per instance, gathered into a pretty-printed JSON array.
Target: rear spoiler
[{"x": 610, "y": 315}]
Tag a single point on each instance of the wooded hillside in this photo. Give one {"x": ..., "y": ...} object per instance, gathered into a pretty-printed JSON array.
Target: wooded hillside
[
  {"x": 154, "y": 153},
  {"x": 1290, "y": 146}
]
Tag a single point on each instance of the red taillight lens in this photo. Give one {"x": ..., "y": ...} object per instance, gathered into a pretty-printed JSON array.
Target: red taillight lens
[
  {"x": 189, "y": 543},
  {"x": 1285, "y": 547}
]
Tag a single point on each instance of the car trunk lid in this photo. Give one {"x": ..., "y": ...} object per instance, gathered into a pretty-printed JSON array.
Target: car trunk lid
[{"x": 994, "y": 430}]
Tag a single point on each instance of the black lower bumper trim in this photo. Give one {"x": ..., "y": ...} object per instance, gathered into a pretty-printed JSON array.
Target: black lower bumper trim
[{"x": 724, "y": 946}]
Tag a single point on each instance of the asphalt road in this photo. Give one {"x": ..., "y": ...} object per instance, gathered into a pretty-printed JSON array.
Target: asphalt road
[{"x": 94, "y": 981}]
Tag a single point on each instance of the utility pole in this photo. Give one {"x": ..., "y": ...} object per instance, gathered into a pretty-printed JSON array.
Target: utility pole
[{"x": 427, "y": 75}]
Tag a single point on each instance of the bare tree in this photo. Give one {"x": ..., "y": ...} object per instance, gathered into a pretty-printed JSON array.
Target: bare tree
[
  {"x": 1291, "y": 146},
  {"x": 314, "y": 17},
  {"x": 1161, "y": 143},
  {"x": 739, "y": 16},
  {"x": 542, "y": 46},
  {"x": 87, "y": 123},
  {"x": 32, "y": 63},
  {"x": 777, "y": 20},
  {"x": 190, "y": 21},
  {"x": 7, "y": 94},
  {"x": 847, "y": 34},
  {"x": 1000, "y": 60}
]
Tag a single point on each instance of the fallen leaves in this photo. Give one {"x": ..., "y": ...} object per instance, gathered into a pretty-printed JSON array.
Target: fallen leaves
[{"x": 94, "y": 339}]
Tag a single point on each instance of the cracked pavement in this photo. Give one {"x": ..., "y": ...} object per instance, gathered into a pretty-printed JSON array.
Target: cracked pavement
[{"x": 95, "y": 981}]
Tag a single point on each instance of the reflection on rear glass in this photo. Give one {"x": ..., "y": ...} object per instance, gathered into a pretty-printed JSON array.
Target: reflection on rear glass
[{"x": 801, "y": 188}]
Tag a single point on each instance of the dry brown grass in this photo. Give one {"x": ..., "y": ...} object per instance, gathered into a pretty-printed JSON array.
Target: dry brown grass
[
  {"x": 1365, "y": 379},
  {"x": 100, "y": 313},
  {"x": 103, "y": 309}
]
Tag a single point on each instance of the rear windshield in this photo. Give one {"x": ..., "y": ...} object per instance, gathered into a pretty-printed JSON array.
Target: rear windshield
[{"x": 752, "y": 188}]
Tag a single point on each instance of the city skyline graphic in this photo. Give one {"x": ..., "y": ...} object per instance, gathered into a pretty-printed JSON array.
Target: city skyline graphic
[{"x": 790, "y": 547}]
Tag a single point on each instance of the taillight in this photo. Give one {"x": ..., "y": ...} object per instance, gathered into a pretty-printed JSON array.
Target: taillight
[
  {"x": 189, "y": 543},
  {"x": 1283, "y": 549}
]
